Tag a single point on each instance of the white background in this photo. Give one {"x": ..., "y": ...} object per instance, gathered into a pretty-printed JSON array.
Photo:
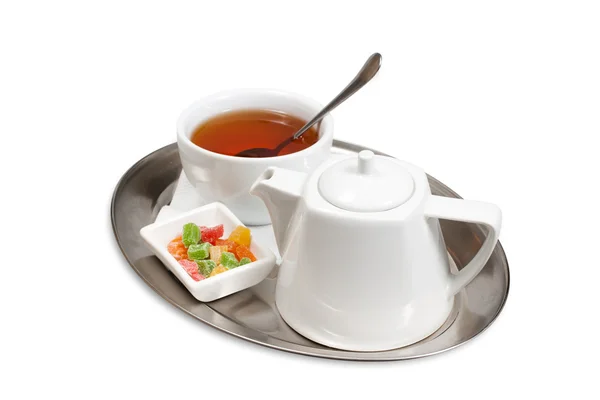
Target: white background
[{"x": 499, "y": 100}]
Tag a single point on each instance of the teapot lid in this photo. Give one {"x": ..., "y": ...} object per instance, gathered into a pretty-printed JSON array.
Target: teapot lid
[{"x": 367, "y": 183}]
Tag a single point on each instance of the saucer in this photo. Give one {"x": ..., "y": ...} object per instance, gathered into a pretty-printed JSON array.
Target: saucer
[{"x": 251, "y": 314}]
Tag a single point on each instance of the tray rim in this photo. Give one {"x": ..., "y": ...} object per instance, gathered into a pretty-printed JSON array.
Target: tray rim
[{"x": 273, "y": 342}]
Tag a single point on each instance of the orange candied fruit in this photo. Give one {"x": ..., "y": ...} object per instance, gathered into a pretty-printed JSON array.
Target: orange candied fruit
[
  {"x": 177, "y": 249},
  {"x": 243, "y": 251},
  {"x": 231, "y": 245}
]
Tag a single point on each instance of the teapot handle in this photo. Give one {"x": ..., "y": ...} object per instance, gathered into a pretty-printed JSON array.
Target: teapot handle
[{"x": 468, "y": 211}]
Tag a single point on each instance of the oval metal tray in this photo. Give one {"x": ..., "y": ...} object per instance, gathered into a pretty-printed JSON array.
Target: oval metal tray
[{"x": 251, "y": 314}]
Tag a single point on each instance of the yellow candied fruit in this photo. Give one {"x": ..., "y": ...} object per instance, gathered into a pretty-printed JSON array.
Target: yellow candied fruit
[
  {"x": 215, "y": 253},
  {"x": 241, "y": 235},
  {"x": 218, "y": 269}
]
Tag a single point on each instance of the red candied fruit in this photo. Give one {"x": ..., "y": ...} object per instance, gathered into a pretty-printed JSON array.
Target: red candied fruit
[
  {"x": 211, "y": 235},
  {"x": 242, "y": 251},
  {"x": 192, "y": 269}
]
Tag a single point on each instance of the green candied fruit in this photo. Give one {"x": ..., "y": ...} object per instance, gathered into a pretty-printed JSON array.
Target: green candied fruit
[
  {"x": 206, "y": 266},
  {"x": 199, "y": 251},
  {"x": 228, "y": 260},
  {"x": 190, "y": 235},
  {"x": 244, "y": 261}
]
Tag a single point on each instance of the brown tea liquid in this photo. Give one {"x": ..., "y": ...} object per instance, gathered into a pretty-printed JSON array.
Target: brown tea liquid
[{"x": 232, "y": 132}]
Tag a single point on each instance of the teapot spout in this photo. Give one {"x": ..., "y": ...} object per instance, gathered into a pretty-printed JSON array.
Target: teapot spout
[{"x": 280, "y": 189}]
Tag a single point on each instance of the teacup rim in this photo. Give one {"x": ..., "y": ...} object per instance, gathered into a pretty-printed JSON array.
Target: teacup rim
[{"x": 183, "y": 138}]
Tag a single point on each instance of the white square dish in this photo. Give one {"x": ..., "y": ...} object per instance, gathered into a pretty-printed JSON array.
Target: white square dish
[{"x": 158, "y": 235}]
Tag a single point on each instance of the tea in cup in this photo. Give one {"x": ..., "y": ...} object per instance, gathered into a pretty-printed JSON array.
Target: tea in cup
[{"x": 212, "y": 130}]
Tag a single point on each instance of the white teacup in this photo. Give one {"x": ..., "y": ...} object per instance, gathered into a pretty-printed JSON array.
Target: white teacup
[{"x": 228, "y": 179}]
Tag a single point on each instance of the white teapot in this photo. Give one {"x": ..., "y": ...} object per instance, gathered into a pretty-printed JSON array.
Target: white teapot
[{"x": 364, "y": 264}]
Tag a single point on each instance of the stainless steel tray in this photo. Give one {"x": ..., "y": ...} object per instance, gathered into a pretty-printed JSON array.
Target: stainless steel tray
[{"x": 251, "y": 314}]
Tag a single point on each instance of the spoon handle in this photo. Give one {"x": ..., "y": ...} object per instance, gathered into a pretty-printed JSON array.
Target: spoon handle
[{"x": 366, "y": 73}]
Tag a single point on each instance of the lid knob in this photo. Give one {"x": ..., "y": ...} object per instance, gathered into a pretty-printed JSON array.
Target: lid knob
[
  {"x": 365, "y": 162},
  {"x": 367, "y": 183}
]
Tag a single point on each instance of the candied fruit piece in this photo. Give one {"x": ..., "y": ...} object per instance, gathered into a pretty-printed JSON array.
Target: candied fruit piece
[
  {"x": 192, "y": 269},
  {"x": 215, "y": 253},
  {"x": 243, "y": 251},
  {"x": 191, "y": 234},
  {"x": 177, "y": 249},
  {"x": 231, "y": 246},
  {"x": 228, "y": 260},
  {"x": 206, "y": 267},
  {"x": 211, "y": 235},
  {"x": 218, "y": 269},
  {"x": 198, "y": 251},
  {"x": 241, "y": 235},
  {"x": 244, "y": 261},
  {"x": 174, "y": 244}
]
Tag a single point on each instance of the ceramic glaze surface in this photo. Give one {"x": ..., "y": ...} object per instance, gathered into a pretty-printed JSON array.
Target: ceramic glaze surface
[
  {"x": 366, "y": 184},
  {"x": 227, "y": 179},
  {"x": 367, "y": 281}
]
